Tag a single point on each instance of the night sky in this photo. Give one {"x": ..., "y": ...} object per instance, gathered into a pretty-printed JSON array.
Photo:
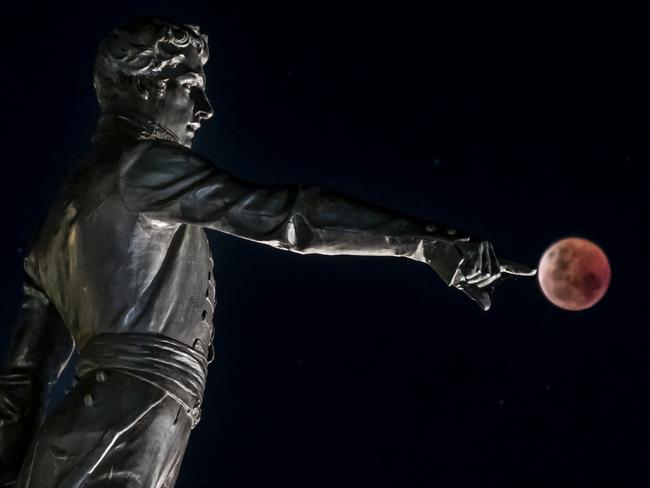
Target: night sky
[{"x": 360, "y": 371}]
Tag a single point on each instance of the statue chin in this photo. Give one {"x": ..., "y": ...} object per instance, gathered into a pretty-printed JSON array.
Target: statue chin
[{"x": 187, "y": 140}]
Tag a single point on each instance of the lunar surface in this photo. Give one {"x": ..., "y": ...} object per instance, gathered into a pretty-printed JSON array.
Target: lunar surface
[{"x": 574, "y": 273}]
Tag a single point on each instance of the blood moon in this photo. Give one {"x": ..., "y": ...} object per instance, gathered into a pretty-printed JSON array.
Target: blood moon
[{"x": 574, "y": 273}]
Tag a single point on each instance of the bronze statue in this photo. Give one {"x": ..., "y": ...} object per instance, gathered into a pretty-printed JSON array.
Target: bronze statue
[{"x": 121, "y": 270}]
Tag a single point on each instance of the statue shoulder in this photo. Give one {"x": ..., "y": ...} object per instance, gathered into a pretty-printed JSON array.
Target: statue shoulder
[{"x": 159, "y": 161}]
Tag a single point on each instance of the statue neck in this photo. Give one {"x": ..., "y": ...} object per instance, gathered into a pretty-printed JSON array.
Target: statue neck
[{"x": 130, "y": 124}]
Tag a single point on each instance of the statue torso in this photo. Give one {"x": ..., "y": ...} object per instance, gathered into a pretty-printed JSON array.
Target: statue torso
[{"x": 108, "y": 269}]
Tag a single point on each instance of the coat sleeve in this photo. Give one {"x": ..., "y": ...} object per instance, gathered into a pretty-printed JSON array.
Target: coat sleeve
[
  {"x": 171, "y": 183},
  {"x": 39, "y": 350}
]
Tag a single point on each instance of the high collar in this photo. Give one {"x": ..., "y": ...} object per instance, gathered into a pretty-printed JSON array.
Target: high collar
[{"x": 132, "y": 125}]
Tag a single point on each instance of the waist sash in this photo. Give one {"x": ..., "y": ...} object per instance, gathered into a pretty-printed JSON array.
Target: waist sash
[{"x": 172, "y": 366}]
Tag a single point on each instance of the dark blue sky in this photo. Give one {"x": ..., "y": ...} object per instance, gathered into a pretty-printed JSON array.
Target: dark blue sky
[{"x": 347, "y": 371}]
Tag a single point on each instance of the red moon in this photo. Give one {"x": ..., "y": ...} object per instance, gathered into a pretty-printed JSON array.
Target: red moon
[{"x": 574, "y": 273}]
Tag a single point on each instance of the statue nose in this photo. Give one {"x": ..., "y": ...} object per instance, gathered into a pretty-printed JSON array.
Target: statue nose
[
  {"x": 204, "y": 109},
  {"x": 205, "y": 114}
]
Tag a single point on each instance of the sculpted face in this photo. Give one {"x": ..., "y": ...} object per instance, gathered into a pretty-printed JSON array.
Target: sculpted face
[{"x": 184, "y": 103}]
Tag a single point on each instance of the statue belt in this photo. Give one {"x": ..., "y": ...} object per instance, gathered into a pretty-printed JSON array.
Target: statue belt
[{"x": 170, "y": 365}]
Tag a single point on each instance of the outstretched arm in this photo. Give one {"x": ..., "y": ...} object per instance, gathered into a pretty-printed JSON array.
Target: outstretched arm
[
  {"x": 39, "y": 350},
  {"x": 171, "y": 183}
]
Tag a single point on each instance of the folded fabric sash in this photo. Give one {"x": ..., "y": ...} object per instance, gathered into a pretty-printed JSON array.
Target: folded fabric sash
[{"x": 170, "y": 365}]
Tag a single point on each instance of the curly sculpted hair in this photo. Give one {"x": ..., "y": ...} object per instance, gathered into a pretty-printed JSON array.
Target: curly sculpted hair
[{"x": 143, "y": 48}]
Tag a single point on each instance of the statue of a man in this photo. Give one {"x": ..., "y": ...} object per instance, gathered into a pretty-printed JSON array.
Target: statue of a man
[{"x": 121, "y": 269}]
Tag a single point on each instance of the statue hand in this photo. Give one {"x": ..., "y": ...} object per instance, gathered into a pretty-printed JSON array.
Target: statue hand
[{"x": 471, "y": 266}]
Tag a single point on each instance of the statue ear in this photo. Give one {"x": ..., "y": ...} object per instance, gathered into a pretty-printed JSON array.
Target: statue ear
[{"x": 142, "y": 87}]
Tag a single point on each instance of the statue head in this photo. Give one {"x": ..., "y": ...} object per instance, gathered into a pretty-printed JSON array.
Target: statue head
[{"x": 154, "y": 67}]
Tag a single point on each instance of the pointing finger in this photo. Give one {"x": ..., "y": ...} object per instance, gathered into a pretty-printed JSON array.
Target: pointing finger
[{"x": 513, "y": 268}]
